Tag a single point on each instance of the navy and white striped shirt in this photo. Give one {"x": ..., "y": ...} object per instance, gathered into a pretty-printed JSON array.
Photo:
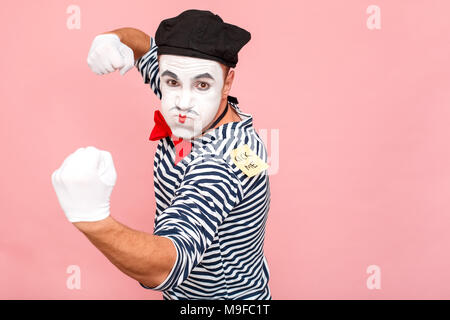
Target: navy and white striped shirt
[{"x": 214, "y": 213}]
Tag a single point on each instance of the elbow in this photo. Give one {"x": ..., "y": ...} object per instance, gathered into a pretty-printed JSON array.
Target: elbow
[
  {"x": 161, "y": 267},
  {"x": 155, "y": 279}
]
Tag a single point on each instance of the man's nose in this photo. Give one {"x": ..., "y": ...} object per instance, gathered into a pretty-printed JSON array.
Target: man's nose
[{"x": 184, "y": 100}]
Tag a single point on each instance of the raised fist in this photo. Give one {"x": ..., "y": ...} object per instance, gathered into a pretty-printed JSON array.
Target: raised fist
[
  {"x": 108, "y": 54},
  {"x": 83, "y": 184}
]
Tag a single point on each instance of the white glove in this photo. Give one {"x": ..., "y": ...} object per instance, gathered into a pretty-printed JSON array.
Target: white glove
[
  {"x": 107, "y": 54},
  {"x": 83, "y": 184}
]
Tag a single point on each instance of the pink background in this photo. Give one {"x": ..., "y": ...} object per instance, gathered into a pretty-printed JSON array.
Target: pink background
[{"x": 363, "y": 119}]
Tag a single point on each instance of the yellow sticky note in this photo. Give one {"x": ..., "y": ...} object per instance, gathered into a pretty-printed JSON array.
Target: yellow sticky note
[{"x": 247, "y": 160}]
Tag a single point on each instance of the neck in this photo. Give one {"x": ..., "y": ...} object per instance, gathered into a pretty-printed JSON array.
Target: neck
[{"x": 230, "y": 116}]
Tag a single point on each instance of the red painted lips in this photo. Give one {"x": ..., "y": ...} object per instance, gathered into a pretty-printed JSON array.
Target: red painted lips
[{"x": 181, "y": 118}]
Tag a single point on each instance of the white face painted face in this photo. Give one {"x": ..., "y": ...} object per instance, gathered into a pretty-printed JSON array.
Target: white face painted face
[{"x": 191, "y": 93}]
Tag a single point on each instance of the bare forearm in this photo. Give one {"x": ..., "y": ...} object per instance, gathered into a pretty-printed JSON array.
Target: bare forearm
[
  {"x": 144, "y": 257},
  {"x": 137, "y": 40}
]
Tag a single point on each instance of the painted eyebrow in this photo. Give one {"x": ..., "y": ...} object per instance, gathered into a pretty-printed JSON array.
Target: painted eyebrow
[
  {"x": 204, "y": 75},
  {"x": 170, "y": 74},
  {"x": 173, "y": 75}
]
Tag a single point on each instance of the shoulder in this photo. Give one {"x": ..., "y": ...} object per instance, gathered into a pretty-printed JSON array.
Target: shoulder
[{"x": 245, "y": 145}]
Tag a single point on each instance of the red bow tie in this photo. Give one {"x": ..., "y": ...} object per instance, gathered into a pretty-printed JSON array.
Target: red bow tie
[{"x": 162, "y": 130}]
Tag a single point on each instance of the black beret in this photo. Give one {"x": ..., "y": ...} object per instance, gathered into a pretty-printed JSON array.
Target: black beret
[{"x": 201, "y": 34}]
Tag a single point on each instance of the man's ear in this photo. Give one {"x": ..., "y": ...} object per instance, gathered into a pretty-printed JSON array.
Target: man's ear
[{"x": 227, "y": 84}]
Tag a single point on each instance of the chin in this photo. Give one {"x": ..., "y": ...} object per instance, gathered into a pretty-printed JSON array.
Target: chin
[{"x": 183, "y": 133}]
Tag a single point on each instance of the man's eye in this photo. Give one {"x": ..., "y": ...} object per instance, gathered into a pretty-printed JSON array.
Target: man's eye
[
  {"x": 203, "y": 86},
  {"x": 171, "y": 83}
]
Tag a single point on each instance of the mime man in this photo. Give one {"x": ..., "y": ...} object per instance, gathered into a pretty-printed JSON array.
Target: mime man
[{"x": 210, "y": 168}]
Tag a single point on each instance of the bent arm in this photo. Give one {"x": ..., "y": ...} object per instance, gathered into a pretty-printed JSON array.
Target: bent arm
[
  {"x": 144, "y": 257},
  {"x": 137, "y": 40},
  {"x": 148, "y": 67},
  {"x": 145, "y": 55}
]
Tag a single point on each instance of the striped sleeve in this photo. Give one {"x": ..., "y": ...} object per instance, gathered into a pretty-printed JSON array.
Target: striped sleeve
[
  {"x": 149, "y": 68},
  {"x": 209, "y": 191}
]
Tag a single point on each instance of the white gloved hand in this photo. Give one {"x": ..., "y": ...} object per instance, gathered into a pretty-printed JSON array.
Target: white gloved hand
[
  {"x": 83, "y": 184},
  {"x": 108, "y": 54}
]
